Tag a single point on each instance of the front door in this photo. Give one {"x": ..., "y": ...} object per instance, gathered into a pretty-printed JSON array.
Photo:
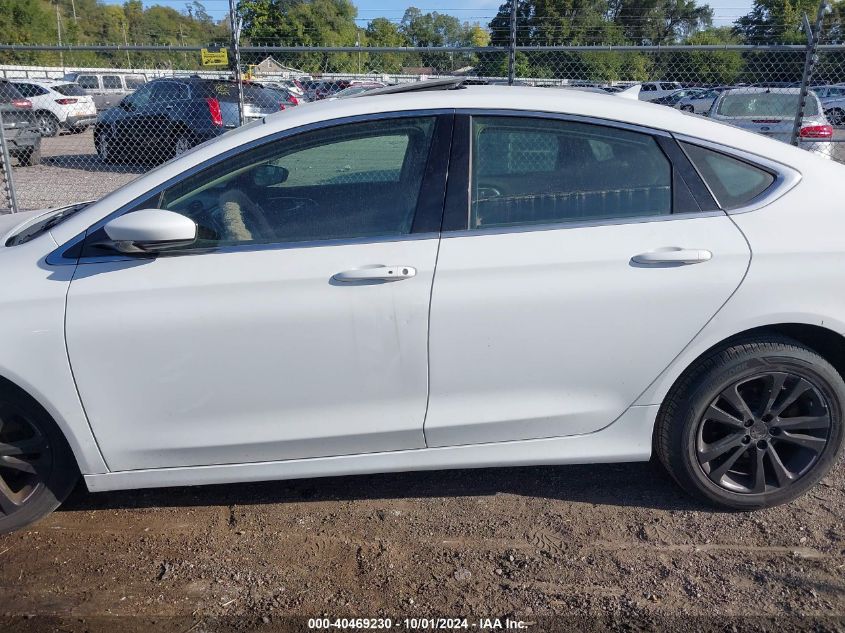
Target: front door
[
  {"x": 296, "y": 326},
  {"x": 575, "y": 282}
]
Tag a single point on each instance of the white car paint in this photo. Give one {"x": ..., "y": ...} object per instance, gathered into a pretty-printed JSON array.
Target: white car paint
[
  {"x": 70, "y": 111},
  {"x": 520, "y": 304}
]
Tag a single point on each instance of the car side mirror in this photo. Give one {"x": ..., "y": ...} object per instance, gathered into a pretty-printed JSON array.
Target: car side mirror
[
  {"x": 269, "y": 175},
  {"x": 150, "y": 230}
]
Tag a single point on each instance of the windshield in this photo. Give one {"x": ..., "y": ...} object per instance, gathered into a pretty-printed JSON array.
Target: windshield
[
  {"x": 44, "y": 224},
  {"x": 781, "y": 104}
]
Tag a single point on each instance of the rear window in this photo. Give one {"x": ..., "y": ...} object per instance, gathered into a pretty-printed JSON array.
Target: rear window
[
  {"x": 779, "y": 104},
  {"x": 733, "y": 181},
  {"x": 69, "y": 90},
  {"x": 8, "y": 92},
  {"x": 227, "y": 91}
]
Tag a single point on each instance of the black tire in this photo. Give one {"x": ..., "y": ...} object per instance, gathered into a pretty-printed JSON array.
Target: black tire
[
  {"x": 37, "y": 468},
  {"x": 716, "y": 459},
  {"x": 836, "y": 116},
  {"x": 47, "y": 123},
  {"x": 30, "y": 157},
  {"x": 106, "y": 146}
]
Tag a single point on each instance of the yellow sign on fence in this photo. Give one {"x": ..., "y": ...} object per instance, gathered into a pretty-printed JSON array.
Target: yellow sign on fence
[{"x": 214, "y": 58}]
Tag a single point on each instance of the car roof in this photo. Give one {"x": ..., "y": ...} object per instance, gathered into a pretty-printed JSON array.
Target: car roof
[{"x": 511, "y": 100}]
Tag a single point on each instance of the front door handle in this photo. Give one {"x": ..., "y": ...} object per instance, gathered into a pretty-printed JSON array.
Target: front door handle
[
  {"x": 673, "y": 256},
  {"x": 376, "y": 273}
]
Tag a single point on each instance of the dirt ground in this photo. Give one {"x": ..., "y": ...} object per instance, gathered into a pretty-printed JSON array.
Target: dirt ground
[{"x": 559, "y": 548}]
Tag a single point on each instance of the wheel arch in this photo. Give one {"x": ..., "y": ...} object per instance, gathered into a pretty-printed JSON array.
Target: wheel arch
[
  {"x": 826, "y": 342},
  {"x": 85, "y": 452}
]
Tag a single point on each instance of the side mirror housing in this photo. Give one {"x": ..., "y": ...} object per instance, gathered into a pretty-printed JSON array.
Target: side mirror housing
[{"x": 150, "y": 230}]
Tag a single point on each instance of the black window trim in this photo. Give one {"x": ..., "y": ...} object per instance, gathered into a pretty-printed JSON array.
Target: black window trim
[
  {"x": 432, "y": 189},
  {"x": 458, "y": 199},
  {"x": 786, "y": 178}
]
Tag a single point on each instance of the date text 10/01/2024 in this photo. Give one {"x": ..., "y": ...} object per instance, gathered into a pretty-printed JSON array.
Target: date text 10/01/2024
[{"x": 482, "y": 624}]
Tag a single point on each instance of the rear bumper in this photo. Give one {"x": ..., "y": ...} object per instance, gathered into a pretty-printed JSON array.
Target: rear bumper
[{"x": 82, "y": 120}]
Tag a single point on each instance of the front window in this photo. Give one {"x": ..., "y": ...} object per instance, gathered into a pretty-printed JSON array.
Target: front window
[
  {"x": 535, "y": 171},
  {"x": 349, "y": 181}
]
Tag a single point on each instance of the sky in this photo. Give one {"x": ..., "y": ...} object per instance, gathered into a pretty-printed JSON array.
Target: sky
[{"x": 726, "y": 11}]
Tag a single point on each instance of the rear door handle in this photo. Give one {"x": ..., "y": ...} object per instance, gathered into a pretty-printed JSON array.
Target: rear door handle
[
  {"x": 673, "y": 255},
  {"x": 376, "y": 273}
]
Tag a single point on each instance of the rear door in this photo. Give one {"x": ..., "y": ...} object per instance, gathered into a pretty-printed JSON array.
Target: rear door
[{"x": 578, "y": 267}]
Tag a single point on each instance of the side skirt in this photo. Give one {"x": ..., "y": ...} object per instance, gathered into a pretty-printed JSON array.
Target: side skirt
[{"x": 628, "y": 439}]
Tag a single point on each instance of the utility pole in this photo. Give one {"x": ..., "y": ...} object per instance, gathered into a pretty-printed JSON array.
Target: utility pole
[
  {"x": 512, "y": 45},
  {"x": 236, "y": 50},
  {"x": 73, "y": 8},
  {"x": 59, "y": 31},
  {"x": 358, "y": 44},
  {"x": 126, "y": 43},
  {"x": 813, "y": 32}
]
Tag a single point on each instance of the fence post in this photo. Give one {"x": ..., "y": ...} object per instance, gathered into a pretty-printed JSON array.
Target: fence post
[
  {"x": 512, "y": 45},
  {"x": 8, "y": 186},
  {"x": 236, "y": 50},
  {"x": 810, "y": 59}
]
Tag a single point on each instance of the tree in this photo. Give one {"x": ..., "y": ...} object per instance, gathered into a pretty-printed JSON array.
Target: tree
[{"x": 775, "y": 21}]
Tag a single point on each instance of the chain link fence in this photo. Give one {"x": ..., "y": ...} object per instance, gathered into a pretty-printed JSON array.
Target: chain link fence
[{"x": 82, "y": 121}]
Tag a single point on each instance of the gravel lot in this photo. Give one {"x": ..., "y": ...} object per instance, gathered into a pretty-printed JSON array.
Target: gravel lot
[{"x": 610, "y": 546}]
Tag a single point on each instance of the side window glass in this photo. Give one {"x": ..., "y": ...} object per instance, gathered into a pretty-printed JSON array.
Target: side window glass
[
  {"x": 140, "y": 97},
  {"x": 349, "y": 181},
  {"x": 537, "y": 171},
  {"x": 111, "y": 82},
  {"x": 733, "y": 182},
  {"x": 88, "y": 82},
  {"x": 648, "y": 88},
  {"x": 134, "y": 81}
]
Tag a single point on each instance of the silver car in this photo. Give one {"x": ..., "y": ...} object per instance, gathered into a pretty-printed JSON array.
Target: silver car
[
  {"x": 771, "y": 112},
  {"x": 700, "y": 102}
]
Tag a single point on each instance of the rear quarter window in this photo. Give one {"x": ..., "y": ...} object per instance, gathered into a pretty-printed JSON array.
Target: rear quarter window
[{"x": 734, "y": 182}]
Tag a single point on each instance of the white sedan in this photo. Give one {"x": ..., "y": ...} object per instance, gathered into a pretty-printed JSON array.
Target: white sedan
[{"x": 433, "y": 280}]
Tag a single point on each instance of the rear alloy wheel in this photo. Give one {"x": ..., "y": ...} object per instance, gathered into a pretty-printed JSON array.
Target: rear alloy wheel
[
  {"x": 37, "y": 470},
  {"x": 754, "y": 425},
  {"x": 836, "y": 116},
  {"x": 48, "y": 125}
]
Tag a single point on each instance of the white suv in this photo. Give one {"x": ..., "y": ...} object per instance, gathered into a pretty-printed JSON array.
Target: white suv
[
  {"x": 58, "y": 104},
  {"x": 651, "y": 90}
]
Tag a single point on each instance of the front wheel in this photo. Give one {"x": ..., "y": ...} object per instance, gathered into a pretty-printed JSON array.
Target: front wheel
[
  {"x": 37, "y": 469},
  {"x": 753, "y": 425}
]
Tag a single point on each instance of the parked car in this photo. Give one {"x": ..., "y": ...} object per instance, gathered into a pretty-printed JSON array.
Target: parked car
[
  {"x": 107, "y": 89},
  {"x": 58, "y": 105},
  {"x": 771, "y": 112},
  {"x": 827, "y": 92},
  {"x": 701, "y": 102},
  {"x": 19, "y": 128},
  {"x": 266, "y": 306},
  {"x": 673, "y": 98},
  {"x": 167, "y": 117},
  {"x": 357, "y": 89},
  {"x": 651, "y": 90}
]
